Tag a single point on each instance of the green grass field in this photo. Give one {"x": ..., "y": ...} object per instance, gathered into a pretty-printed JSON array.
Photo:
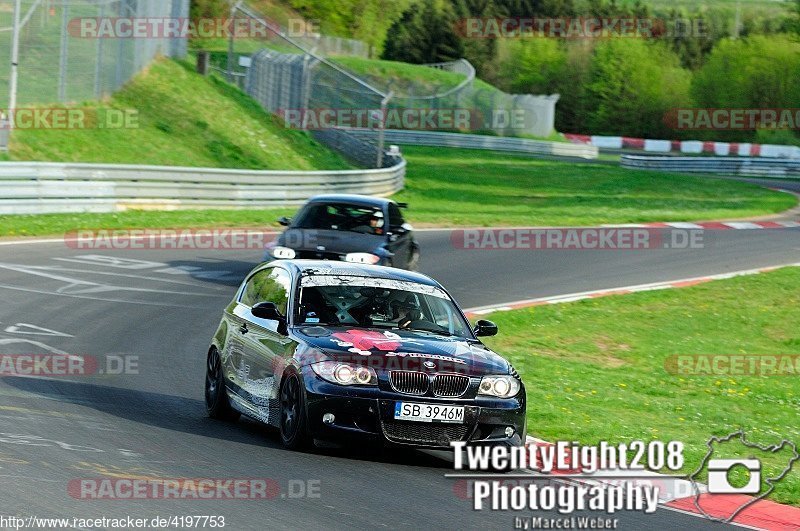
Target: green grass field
[
  {"x": 404, "y": 78},
  {"x": 451, "y": 187},
  {"x": 184, "y": 120},
  {"x": 595, "y": 370}
]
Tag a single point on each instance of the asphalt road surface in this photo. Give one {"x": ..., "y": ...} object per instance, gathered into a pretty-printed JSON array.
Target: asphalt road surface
[{"x": 158, "y": 309}]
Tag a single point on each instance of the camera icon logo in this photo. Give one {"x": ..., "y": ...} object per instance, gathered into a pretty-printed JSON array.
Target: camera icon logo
[{"x": 719, "y": 482}]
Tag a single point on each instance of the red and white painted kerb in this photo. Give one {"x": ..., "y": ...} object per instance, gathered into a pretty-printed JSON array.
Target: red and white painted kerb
[
  {"x": 692, "y": 147},
  {"x": 573, "y": 297},
  {"x": 678, "y": 494},
  {"x": 715, "y": 225}
]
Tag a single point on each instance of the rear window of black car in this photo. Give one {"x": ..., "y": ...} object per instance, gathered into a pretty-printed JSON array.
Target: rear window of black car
[{"x": 343, "y": 217}]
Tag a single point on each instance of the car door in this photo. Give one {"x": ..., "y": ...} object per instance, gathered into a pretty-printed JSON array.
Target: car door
[
  {"x": 399, "y": 237},
  {"x": 264, "y": 345}
]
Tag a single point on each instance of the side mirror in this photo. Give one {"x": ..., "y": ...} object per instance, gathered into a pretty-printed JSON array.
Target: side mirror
[
  {"x": 268, "y": 311},
  {"x": 485, "y": 328},
  {"x": 284, "y": 221}
]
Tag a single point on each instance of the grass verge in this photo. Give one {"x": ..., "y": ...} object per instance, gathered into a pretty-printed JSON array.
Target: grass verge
[
  {"x": 452, "y": 187},
  {"x": 184, "y": 119},
  {"x": 455, "y": 187},
  {"x": 595, "y": 370}
]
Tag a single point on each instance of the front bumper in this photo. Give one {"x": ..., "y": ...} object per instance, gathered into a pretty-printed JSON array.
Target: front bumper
[{"x": 367, "y": 414}]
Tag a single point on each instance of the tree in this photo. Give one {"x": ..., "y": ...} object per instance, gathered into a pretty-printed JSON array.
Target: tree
[
  {"x": 757, "y": 72},
  {"x": 426, "y": 35},
  {"x": 632, "y": 85}
]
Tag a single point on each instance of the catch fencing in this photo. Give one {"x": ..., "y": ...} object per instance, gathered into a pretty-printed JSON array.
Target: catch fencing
[
  {"x": 491, "y": 143},
  {"x": 283, "y": 72},
  {"x": 58, "y": 64},
  {"x": 499, "y": 113}
]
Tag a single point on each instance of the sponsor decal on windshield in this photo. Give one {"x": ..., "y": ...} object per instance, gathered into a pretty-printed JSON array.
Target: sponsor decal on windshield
[{"x": 369, "y": 282}]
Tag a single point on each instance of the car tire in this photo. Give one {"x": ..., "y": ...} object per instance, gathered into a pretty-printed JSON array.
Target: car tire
[
  {"x": 293, "y": 421},
  {"x": 217, "y": 403}
]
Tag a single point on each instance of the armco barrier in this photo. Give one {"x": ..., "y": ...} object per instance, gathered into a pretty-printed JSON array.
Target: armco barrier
[
  {"x": 467, "y": 141},
  {"x": 43, "y": 187},
  {"x": 749, "y": 167}
]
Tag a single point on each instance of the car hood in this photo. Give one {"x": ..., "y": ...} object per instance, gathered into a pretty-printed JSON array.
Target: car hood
[
  {"x": 386, "y": 350},
  {"x": 335, "y": 241}
]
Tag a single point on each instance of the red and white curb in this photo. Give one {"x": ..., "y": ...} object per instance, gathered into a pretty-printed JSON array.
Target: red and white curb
[
  {"x": 679, "y": 495},
  {"x": 694, "y": 147},
  {"x": 715, "y": 225},
  {"x": 572, "y": 297},
  {"x": 701, "y": 225}
]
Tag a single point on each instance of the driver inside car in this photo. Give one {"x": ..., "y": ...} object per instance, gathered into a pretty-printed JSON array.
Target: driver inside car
[{"x": 407, "y": 311}]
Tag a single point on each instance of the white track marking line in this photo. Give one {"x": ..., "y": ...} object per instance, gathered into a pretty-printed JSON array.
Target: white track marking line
[
  {"x": 139, "y": 277},
  {"x": 101, "y": 299},
  {"x": 90, "y": 287},
  {"x": 667, "y": 284},
  {"x": 37, "y": 330}
]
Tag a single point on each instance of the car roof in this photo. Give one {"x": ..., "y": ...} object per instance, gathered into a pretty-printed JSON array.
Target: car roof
[
  {"x": 361, "y": 200},
  {"x": 327, "y": 267}
]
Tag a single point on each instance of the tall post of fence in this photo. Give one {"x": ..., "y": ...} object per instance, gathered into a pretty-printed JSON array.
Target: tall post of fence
[
  {"x": 231, "y": 43},
  {"x": 98, "y": 66},
  {"x": 64, "y": 54},
  {"x": 382, "y": 128},
  {"x": 13, "y": 81}
]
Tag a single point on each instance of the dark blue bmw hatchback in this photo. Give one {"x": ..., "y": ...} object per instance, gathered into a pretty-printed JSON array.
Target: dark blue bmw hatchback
[{"x": 327, "y": 350}]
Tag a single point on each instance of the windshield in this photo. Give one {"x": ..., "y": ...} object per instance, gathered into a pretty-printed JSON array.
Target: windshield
[
  {"x": 379, "y": 303},
  {"x": 343, "y": 217}
]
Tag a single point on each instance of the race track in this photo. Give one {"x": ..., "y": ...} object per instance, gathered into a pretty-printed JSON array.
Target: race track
[{"x": 162, "y": 306}]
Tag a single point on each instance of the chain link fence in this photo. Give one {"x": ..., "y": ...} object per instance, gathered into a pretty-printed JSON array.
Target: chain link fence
[
  {"x": 58, "y": 63},
  {"x": 285, "y": 74}
]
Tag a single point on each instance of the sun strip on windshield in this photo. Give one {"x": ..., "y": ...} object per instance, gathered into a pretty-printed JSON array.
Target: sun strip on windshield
[{"x": 372, "y": 282}]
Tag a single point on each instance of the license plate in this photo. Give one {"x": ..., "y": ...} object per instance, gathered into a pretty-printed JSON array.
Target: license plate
[{"x": 428, "y": 412}]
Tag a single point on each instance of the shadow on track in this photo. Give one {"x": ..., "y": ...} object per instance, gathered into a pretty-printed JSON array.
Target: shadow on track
[
  {"x": 187, "y": 415},
  {"x": 215, "y": 271}
]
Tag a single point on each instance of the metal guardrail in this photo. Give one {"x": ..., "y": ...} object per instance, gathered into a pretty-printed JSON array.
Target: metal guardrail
[
  {"x": 44, "y": 187},
  {"x": 750, "y": 167},
  {"x": 493, "y": 143}
]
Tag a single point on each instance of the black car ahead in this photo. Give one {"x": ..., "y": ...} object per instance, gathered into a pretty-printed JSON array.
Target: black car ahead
[
  {"x": 328, "y": 351},
  {"x": 349, "y": 228}
]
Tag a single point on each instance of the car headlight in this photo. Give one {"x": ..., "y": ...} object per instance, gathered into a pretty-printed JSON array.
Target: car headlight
[
  {"x": 362, "y": 258},
  {"x": 283, "y": 253},
  {"x": 499, "y": 386},
  {"x": 344, "y": 373}
]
